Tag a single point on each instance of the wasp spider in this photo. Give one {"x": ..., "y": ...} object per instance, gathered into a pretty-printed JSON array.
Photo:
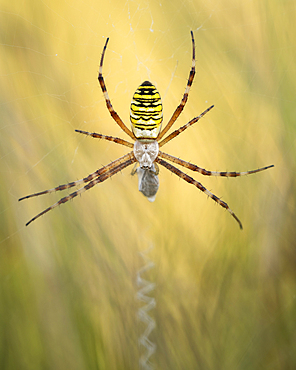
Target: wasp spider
[{"x": 146, "y": 121}]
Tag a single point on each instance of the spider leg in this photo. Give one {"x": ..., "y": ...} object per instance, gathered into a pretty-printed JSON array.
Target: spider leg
[
  {"x": 193, "y": 167},
  {"x": 114, "y": 115},
  {"x": 183, "y": 128},
  {"x": 116, "y": 140},
  {"x": 190, "y": 180},
  {"x": 134, "y": 170},
  {"x": 86, "y": 179},
  {"x": 92, "y": 183},
  {"x": 180, "y": 107}
]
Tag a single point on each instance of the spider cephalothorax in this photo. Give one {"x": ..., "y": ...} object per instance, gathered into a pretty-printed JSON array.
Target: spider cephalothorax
[{"x": 146, "y": 122}]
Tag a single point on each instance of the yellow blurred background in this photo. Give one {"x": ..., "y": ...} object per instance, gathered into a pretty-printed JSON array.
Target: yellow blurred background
[{"x": 225, "y": 297}]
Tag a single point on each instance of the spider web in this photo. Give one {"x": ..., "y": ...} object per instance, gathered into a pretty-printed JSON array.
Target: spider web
[{"x": 49, "y": 64}]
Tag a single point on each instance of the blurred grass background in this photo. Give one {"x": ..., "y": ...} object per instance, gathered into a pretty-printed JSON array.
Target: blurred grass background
[{"x": 225, "y": 298}]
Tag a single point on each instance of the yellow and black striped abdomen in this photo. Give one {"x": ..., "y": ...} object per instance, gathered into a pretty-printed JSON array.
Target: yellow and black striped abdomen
[{"x": 146, "y": 112}]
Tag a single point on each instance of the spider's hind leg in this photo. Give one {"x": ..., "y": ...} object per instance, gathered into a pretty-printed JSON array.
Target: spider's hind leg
[
  {"x": 110, "y": 108},
  {"x": 181, "y": 106}
]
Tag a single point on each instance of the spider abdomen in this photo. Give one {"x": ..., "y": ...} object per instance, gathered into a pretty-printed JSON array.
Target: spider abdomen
[{"x": 146, "y": 112}]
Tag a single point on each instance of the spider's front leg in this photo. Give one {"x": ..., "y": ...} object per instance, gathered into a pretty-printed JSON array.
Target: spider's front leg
[
  {"x": 114, "y": 167},
  {"x": 199, "y": 186}
]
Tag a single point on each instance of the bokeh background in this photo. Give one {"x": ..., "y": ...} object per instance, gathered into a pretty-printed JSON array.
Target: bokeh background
[{"x": 225, "y": 298}]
